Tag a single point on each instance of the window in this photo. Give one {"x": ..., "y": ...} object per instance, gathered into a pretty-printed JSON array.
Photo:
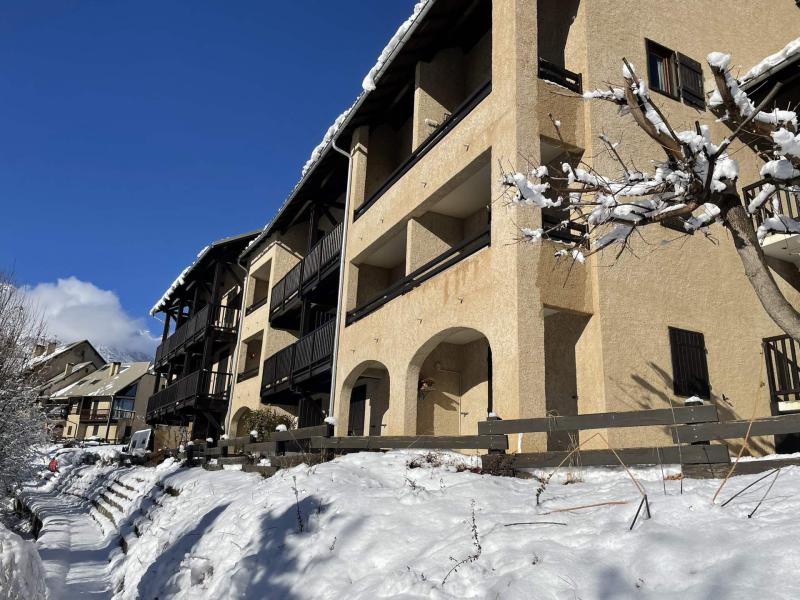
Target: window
[
  {"x": 689, "y": 366},
  {"x": 661, "y": 69},
  {"x": 675, "y": 74},
  {"x": 69, "y": 429}
]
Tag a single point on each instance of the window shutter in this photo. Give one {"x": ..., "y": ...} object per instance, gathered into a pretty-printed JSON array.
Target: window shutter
[
  {"x": 689, "y": 366},
  {"x": 691, "y": 78}
]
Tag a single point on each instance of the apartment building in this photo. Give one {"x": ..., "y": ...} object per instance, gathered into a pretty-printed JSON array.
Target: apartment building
[
  {"x": 200, "y": 312},
  {"x": 443, "y": 317},
  {"x": 108, "y": 403}
]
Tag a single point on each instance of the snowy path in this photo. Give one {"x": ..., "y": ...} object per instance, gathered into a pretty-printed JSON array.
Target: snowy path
[{"x": 74, "y": 548}]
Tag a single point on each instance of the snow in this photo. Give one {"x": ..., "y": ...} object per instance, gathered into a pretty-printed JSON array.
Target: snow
[
  {"x": 788, "y": 142},
  {"x": 773, "y": 60},
  {"x": 21, "y": 571},
  {"x": 777, "y": 224},
  {"x": 374, "y": 73},
  {"x": 779, "y": 169},
  {"x": 281, "y": 427},
  {"x": 393, "y": 525}
]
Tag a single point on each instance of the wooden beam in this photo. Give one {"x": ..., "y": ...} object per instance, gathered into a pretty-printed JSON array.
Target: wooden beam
[
  {"x": 737, "y": 429},
  {"x": 303, "y": 433},
  {"x": 634, "y": 418},
  {"x": 490, "y": 442},
  {"x": 668, "y": 455}
]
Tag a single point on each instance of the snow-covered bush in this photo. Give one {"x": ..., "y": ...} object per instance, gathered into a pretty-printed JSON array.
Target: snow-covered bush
[{"x": 21, "y": 571}]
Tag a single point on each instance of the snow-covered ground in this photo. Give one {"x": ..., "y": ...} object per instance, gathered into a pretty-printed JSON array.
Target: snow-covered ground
[{"x": 400, "y": 525}]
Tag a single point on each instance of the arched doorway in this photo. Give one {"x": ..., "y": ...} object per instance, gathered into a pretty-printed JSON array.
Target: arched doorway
[
  {"x": 452, "y": 373},
  {"x": 239, "y": 426},
  {"x": 365, "y": 399}
]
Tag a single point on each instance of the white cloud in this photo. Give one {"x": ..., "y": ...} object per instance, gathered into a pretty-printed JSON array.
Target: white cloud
[{"x": 76, "y": 310}]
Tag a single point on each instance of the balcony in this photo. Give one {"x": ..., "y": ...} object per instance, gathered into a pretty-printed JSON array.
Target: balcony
[
  {"x": 781, "y": 353},
  {"x": 219, "y": 317},
  {"x": 553, "y": 73},
  {"x": 434, "y": 138},
  {"x": 201, "y": 389},
  {"x": 301, "y": 362},
  {"x": 305, "y": 277},
  {"x": 421, "y": 275},
  {"x": 95, "y": 415},
  {"x": 784, "y": 201}
]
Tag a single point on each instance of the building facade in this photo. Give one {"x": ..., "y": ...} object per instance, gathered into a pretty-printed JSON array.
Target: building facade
[
  {"x": 201, "y": 312},
  {"x": 108, "y": 404},
  {"x": 443, "y": 316}
]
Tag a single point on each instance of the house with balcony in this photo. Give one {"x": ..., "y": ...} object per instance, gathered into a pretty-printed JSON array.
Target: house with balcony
[
  {"x": 285, "y": 349},
  {"x": 443, "y": 317},
  {"x": 109, "y": 403},
  {"x": 201, "y": 312}
]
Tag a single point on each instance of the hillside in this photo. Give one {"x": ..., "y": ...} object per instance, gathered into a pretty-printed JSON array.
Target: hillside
[{"x": 409, "y": 525}]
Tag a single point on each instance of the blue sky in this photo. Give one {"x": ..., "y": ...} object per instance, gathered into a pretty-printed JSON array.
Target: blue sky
[{"x": 133, "y": 133}]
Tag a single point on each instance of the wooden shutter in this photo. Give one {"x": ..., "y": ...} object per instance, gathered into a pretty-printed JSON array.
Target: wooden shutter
[
  {"x": 689, "y": 366},
  {"x": 691, "y": 78}
]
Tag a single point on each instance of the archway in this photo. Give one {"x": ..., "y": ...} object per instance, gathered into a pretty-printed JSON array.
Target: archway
[
  {"x": 451, "y": 375},
  {"x": 364, "y": 400},
  {"x": 239, "y": 424}
]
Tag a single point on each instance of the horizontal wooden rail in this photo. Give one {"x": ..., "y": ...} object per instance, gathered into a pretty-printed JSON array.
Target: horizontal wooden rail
[
  {"x": 737, "y": 429},
  {"x": 634, "y": 418},
  {"x": 429, "y": 442},
  {"x": 304, "y": 433},
  {"x": 668, "y": 455}
]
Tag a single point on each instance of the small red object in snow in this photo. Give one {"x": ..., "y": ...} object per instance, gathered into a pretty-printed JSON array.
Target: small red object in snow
[{"x": 53, "y": 466}]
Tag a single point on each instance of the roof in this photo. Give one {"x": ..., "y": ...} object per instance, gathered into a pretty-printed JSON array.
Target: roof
[
  {"x": 786, "y": 56},
  {"x": 181, "y": 278},
  {"x": 98, "y": 383},
  {"x": 62, "y": 375},
  {"x": 342, "y": 122},
  {"x": 39, "y": 360}
]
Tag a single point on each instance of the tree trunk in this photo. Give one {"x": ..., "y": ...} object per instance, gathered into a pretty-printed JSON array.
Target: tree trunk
[{"x": 739, "y": 223}]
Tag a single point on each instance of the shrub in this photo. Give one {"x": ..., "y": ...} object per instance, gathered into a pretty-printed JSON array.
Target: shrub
[{"x": 265, "y": 420}]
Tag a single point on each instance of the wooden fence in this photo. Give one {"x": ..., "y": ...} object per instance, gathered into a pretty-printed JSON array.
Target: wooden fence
[{"x": 692, "y": 428}]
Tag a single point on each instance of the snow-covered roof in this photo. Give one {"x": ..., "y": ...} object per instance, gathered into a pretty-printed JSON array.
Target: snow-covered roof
[
  {"x": 43, "y": 358},
  {"x": 99, "y": 383},
  {"x": 789, "y": 51},
  {"x": 368, "y": 84},
  {"x": 181, "y": 278}
]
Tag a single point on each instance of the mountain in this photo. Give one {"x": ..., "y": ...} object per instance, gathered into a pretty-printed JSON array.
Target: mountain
[{"x": 114, "y": 354}]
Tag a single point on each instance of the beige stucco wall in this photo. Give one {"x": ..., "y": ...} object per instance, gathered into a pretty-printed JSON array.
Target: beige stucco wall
[
  {"x": 281, "y": 253},
  {"x": 621, "y": 350}
]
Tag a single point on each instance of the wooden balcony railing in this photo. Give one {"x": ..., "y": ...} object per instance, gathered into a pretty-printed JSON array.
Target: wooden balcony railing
[
  {"x": 781, "y": 353},
  {"x": 300, "y": 360},
  {"x": 214, "y": 385},
  {"x": 417, "y": 277},
  {"x": 218, "y": 316},
  {"x": 552, "y": 72},
  {"x": 785, "y": 200},
  {"x": 306, "y": 274},
  {"x": 92, "y": 415}
]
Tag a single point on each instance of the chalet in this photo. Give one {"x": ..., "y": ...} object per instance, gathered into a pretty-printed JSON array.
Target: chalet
[
  {"x": 389, "y": 290},
  {"x": 109, "y": 403},
  {"x": 201, "y": 311}
]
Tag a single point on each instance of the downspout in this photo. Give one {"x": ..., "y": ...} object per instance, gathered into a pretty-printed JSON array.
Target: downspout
[
  {"x": 340, "y": 294},
  {"x": 235, "y": 359}
]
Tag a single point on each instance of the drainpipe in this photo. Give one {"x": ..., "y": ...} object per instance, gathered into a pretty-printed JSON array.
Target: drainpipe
[
  {"x": 235, "y": 357},
  {"x": 340, "y": 291}
]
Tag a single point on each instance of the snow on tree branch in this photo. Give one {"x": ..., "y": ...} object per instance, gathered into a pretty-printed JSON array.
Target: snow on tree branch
[{"x": 690, "y": 186}]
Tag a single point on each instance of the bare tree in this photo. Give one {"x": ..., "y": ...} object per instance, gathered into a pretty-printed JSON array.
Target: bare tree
[
  {"x": 22, "y": 423},
  {"x": 695, "y": 184}
]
